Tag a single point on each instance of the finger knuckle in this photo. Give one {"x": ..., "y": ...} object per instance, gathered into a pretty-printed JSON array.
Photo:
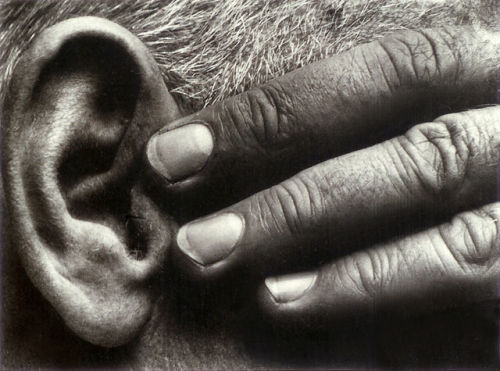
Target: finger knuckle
[
  {"x": 370, "y": 273},
  {"x": 362, "y": 273},
  {"x": 295, "y": 205},
  {"x": 440, "y": 153},
  {"x": 479, "y": 131},
  {"x": 473, "y": 240},
  {"x": 265, "y": 115},
  {"x": 419, "y": 57}
]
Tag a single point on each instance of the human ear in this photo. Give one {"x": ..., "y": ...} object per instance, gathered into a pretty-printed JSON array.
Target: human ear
[{"x": 83, "y": 100}]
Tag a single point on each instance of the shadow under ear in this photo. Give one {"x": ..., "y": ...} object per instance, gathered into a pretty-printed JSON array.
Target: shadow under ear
[{"x": 83, "y": 101}]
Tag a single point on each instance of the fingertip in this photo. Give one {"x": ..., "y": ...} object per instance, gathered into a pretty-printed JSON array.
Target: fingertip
[
  {"x": 288, "y": 300},
  {"x": 181, "y": 152},
  {"x": 292, "y": 287},
  {"x": 198, "y": 266}
]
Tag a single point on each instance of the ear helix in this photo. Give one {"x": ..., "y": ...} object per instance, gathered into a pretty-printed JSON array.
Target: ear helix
[{"x": 83, "y": 101}]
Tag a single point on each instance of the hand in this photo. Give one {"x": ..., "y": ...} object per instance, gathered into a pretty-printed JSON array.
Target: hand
[{"x": 407, "y": 224}]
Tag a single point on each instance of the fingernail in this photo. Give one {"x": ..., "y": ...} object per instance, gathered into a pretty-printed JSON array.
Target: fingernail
[
  {"x": 181, "y": 152},
  {"x": 210, "y": 240},
  {"x": 290, "y": 287}
]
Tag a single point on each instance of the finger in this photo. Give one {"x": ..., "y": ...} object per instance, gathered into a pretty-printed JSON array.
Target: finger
[
  {"x": 327, "y": 108},
  {"x": 452, "y": 265},
  {"x": 435, "y": 169}
]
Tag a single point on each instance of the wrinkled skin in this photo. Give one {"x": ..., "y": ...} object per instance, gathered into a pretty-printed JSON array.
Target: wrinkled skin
[{"x": 173, "y": 323}]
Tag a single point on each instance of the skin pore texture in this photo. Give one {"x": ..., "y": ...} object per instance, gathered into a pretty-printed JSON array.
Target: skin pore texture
[{"x": 207, "y": 51}]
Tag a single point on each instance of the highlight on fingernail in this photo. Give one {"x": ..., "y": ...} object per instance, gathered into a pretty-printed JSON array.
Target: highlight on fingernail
[
  {"x": 212, "y": 239},
  {"x": 291, "y": 287},
  {"x": 181, "y": 152}
]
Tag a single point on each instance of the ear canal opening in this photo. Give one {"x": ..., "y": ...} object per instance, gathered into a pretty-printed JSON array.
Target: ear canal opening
[{"x": 90, "y": 89}]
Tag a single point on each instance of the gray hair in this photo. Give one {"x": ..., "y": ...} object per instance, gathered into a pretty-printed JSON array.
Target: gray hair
[{"x": 208, "y": 50}]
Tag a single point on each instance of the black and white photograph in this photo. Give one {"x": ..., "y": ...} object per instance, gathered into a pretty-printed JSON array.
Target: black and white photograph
[{"x": 250, "y": 184}]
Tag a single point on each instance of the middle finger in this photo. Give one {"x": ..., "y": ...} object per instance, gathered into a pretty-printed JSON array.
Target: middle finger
[{"x": 439, "y": 167}]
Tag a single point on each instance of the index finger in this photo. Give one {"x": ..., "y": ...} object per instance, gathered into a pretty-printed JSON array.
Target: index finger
[{"x": 326, "y": 109}]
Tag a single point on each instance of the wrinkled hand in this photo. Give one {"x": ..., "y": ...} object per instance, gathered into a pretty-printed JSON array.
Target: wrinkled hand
[{"x": 399, "y": 211}]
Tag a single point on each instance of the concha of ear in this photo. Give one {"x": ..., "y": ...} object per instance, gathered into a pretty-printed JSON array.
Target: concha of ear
[{"x": 83, "y": 100}]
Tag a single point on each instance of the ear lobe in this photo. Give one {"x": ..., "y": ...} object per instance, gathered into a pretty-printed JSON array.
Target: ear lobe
[{"x": 83, "y": 101}]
